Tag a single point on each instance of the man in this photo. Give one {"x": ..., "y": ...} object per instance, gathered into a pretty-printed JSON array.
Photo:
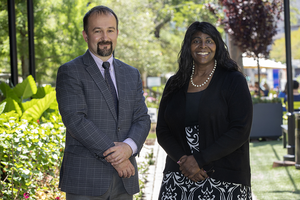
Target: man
[{"x": 102, "y": 106}]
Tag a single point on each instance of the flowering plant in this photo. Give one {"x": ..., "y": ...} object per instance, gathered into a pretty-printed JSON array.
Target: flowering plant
[{"x": 31, "y": 142}]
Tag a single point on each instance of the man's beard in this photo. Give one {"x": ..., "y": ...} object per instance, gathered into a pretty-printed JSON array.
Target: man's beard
[{"x": 104, "y": 52}]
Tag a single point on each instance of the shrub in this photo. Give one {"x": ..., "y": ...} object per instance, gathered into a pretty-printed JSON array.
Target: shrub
[
  {"x": 30, "y": 155},
  {"x": 31, "y": 141},
  {"x": 264, "y": 100}
]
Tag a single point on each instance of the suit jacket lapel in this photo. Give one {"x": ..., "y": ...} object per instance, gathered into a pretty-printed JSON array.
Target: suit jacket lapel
[
  {"x": 96, "y": 75},
  {"x": 121, "y": 80}
]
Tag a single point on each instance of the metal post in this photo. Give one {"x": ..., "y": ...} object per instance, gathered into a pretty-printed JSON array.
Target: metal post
[
  {"x": 31, "y": 37},
  {"x": 12, "y": 42},
  {"x": 258, "y": 74},
  {"x": 290, "y": 114},
  {"x": 291, "y": 138},
  {"x": 297, "y": 137}
]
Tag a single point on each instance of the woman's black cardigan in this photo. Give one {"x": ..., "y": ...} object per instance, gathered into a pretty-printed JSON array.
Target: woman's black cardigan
[{"x": 225, "y": 118}]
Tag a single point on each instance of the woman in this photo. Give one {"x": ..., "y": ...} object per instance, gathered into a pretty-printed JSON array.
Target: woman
[
  {"x": 204, "y": 122},
  {"x": 266, "y": 90}
]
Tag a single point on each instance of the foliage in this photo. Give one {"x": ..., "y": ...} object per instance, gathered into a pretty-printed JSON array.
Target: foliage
[
  {"x": 251, "y": 23},
  {"x": 265, "y": 100},
  {"x": 58, "y": 38},
  {"x": 17, "y": 99},
  {"x": 153, "y": 96},
  {"x": 179, "y": 14},
  {"x": 31, "y": 141},
  {"x": 30, "y": 155},
  {"x": 278, "y": 53}
]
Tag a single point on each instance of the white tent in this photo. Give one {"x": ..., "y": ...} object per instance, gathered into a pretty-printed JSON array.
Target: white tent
[{"x": 250, "y": 63}]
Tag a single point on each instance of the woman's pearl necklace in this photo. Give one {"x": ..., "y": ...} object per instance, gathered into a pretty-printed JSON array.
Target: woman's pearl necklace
[{"x": 206, "y": 81}]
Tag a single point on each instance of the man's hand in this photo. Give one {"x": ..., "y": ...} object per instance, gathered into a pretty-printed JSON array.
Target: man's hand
[
  {"x": 125, "y": 169},
  {"x": 189, "y": 166},
  {"x": 118, "y": 153}
]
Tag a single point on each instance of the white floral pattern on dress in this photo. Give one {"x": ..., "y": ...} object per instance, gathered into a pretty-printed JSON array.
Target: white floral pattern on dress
[{"x": 192, "y": 137}]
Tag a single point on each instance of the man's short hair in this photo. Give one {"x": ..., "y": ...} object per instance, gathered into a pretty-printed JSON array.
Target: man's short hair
[{"x": 99, "y": 10}]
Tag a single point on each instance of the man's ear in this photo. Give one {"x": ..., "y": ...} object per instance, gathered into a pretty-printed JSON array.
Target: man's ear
[{"x": 85, "y": 36}]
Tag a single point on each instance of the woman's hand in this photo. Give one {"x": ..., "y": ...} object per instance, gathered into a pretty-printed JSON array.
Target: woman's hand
[
  {"x": 201, "y": 175},
  {"x": 190, "y": 168}
]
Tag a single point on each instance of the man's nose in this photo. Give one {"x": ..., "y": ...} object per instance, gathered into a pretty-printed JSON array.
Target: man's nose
[{"x": 104, "y": 35}]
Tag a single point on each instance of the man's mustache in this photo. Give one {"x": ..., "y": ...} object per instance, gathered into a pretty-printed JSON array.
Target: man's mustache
[{"x": 104, "y": 43}]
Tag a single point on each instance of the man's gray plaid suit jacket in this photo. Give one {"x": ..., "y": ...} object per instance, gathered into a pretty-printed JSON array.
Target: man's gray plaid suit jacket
[{"x": 88, "y": 112}]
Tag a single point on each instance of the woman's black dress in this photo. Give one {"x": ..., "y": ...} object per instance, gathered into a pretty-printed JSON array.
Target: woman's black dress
[{"x": 176, "y": 186}]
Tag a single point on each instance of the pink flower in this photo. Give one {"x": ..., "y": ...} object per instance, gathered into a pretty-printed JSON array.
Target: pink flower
[
  {"x": 150, "y": 99},
  {"x": 26, "y": 195},
  {"x": 57, "y": 198}
]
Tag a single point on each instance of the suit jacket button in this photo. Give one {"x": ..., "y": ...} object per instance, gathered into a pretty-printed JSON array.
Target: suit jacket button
[{"x": 119, "y": 128}]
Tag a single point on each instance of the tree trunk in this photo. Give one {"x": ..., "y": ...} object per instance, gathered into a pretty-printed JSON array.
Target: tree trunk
[
  {"x": 25, "y": 67},
  {"x": 235, "y": 52}
]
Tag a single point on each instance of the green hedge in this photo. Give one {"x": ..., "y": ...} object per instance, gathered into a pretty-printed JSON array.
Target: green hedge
[
  {"x": 30, "y": 156},
  {"x": 31, "y": 142}
]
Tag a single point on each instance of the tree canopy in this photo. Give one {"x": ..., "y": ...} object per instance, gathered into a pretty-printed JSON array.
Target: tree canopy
[
  {"x": 278, "y": 48},
  {"x": 151, "y": 32},
  {"x": 252, "y": 24}
]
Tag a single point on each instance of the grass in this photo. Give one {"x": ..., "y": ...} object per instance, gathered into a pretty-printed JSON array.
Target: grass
[
  {"x": 281, "y": 183},
  {"x": 151, "y": 136}
]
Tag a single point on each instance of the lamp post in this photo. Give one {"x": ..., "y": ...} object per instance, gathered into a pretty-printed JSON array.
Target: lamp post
[
  {"x": 13, "y": 42},
  {"x": 291, "y": 117},
  {"x": 297, "y": 137},
  {"x": 31, "y": 38}
]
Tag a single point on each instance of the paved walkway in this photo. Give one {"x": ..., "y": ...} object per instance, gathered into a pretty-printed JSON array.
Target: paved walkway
[{"x": 155, "y": 172}]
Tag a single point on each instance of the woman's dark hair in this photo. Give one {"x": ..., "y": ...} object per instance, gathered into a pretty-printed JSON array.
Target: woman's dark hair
[
  {"x": 185, "y": 59},
  {"x": 99, "y": 10}
]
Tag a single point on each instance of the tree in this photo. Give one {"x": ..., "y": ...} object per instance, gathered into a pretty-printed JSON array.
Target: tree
[
  {"x": 278, "y": 48},
  {"x": 180, "y": 13},
  {"x": 56, "y": 36},
  {"x": 251, "y": 25}
]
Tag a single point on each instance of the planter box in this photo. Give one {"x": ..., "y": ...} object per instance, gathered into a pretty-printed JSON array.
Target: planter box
[{"x": 267, "y": 120}]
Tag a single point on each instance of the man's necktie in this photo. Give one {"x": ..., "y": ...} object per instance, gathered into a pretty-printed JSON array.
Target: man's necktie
[{"x": 110, "y": 84}]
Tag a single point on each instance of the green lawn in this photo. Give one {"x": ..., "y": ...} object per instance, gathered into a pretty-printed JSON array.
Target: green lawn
[
  {"x": 281, "y": 183},
  {"x": 151, "y": 136}
]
